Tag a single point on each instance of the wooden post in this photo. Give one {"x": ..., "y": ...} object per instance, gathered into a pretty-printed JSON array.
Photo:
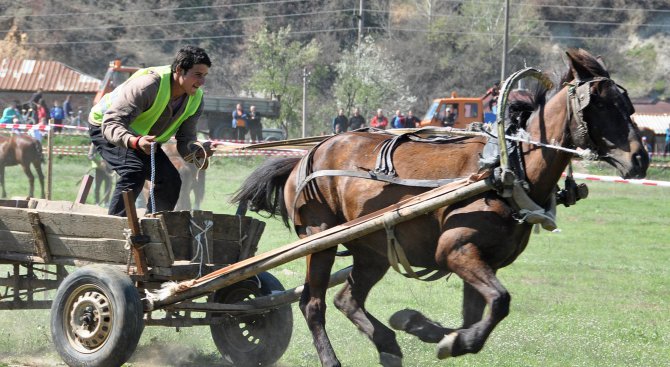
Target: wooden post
[
  {"x": 50, "y": 160},
  {"x": 136, "y": 238},
  {"x": 84, "y": 188}
]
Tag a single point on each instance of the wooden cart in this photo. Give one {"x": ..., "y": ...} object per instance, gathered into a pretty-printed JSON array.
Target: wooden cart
[{"x": 97, "y": 312}]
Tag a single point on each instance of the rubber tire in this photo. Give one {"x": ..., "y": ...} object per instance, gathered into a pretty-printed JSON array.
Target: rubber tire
[
  {"x": 126, "y": 311},
  {"x": 270, "y": 333}
]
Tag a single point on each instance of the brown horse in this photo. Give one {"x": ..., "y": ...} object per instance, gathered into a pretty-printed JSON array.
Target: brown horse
[
  {"x": 472, "y": 238},
  {"x": 25, "y": 151}
]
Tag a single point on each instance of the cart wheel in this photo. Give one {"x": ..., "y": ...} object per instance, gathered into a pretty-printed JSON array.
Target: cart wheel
[
  {"x": 97, "y": 317},
  {"x": 252, "y": 340}
]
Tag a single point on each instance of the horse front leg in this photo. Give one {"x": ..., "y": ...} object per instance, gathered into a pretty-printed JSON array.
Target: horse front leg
[
  {"x": 351, "y": 301},
  {"x": 481, "y": 279},
  {"x": 313, "y": 304},
  {"x": 2, "y": 181},
  {"x": 40, "y": 175}
]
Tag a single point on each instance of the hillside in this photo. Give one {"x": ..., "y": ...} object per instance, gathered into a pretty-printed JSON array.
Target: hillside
[{"x": 435, "y": 47}]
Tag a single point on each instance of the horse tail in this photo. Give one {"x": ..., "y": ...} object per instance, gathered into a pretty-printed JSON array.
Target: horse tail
[{"x": 263, "y": 190}]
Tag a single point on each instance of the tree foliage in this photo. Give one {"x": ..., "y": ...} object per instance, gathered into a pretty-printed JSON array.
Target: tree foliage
[
  {"x": 369, "y": 79},
  {"x": 279, "y": 63}
]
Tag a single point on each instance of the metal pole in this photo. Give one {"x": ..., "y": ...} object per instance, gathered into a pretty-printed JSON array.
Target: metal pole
[
  {"x": 304, "y": 101},
  {"x": 360, "y": 22},
  {"x": 504, "y": 53},
  {"x": 50, "y": 158}
]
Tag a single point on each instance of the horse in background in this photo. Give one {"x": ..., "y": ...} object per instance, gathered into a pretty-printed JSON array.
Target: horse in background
[
  {"x": 25, "y": 151},
  {"x": 472, "y": 238}
]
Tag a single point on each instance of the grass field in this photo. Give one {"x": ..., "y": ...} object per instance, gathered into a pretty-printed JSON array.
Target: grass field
[{"x": 596, "y": 293}]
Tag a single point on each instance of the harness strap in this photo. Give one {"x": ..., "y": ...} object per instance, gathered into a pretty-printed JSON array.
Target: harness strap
[{"x": 397, "y": 258}]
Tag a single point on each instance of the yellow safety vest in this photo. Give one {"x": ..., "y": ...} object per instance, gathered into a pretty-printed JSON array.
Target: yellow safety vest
[{"x": 143, "y": 123}]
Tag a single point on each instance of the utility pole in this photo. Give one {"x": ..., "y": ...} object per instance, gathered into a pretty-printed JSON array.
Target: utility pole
[
  {"x": 503, "y": 67},
  {"x": 304, "y": 102},
  {"x": 360, "y": 22}
]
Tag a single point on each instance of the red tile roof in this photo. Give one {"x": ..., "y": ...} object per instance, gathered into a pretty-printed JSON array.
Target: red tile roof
[{"x": 51, "y": 76}]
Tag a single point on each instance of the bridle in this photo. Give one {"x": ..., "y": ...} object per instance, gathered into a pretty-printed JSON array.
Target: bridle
[{"x": 578, "y": 98}]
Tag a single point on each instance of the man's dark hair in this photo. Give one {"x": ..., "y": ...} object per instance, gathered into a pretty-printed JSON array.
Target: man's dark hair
[{"x": 188, "y": 56}]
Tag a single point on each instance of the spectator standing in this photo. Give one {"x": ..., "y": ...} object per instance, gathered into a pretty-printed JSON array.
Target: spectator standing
[
  {"x": 42, "y": 112},
  {"x": 255, "y": 125},
  {"x": 379, "y": 121},
  {"x": 412, "y": 121},
  {"x": 356, "y": 121},
  {"x": 398, "y": 120},
  {"x": 240, "y": 122},
  {"x": 67, "y": 107},
  {"x": 57, "y": 114},
  {"x": 666, "y": 148},
  {"x": 340, "y": 122}
]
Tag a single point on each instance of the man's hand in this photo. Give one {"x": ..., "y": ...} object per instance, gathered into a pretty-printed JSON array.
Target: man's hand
[{"x": 143, "y": 143}]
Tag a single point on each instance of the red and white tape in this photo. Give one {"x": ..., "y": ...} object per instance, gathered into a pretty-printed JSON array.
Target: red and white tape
[
  {"x": 41, "y": 127},
  {"x": 616, "y": 179}
]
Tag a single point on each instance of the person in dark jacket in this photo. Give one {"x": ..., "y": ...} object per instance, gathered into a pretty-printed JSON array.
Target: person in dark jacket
[{"x": 340, "y": 122}]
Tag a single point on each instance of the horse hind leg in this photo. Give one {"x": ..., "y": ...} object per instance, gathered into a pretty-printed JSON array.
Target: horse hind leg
[
  {"x": 313, "y": 304},
  {"x": 31, "y": 179},
  {"x": 351, "y": 301},
  {"x": 40, "y": 175}
]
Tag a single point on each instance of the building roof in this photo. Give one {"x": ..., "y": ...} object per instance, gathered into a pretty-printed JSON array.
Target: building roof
[
  {"x": 51, "y": 76},
  {"x": 658, "y": 123},
  {"x": 651, "y": 106}
]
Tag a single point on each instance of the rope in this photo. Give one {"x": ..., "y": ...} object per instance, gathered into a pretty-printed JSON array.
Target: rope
[
  {"x": 200, "y": 249},
  {"x": 152, "y": 199},
  {"x": 127, "y": 233},
  {"x": 200, "y": 161}
]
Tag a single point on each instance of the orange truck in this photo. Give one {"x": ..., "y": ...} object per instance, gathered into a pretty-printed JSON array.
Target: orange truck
[
  {"x": 216, "y": 119},
  {"x": 456, "y": 112}
]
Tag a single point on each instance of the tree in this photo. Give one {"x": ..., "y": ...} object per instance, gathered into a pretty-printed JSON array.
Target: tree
[
  {"x": 278, "y": 64},
  {"x": 367, "y": 78}
]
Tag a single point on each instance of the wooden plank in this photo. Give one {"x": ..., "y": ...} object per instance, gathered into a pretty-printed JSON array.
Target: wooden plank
[
  {"x": 229, "y": 227},
  {"x": 15, "y": 219},
  {"x": 225, "y": 251},
  {"x": 88, "y": 209},
  {"x": 157, "y": 250},
  {"x": 23, "y": 242},
  {"x": 98, "y": 249},
  {"x": 83, "y": 225},
  {"x": 14, "y": 203},
  {"x": 84, "y": 188},
  {"x": 41, "y": 245},
  {"x": 54, "y": 205},
  {"x": 250, "y": 244},
  {"x": 177, "y": 224}
]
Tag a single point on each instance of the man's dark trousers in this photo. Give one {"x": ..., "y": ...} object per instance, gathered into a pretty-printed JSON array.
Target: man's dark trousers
[{"x": 133, "y": 168}]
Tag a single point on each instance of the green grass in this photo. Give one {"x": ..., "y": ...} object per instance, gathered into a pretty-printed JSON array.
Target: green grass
[{"x": 594, "y": 294}]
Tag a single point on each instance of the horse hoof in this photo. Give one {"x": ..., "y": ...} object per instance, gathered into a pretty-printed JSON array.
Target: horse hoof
[
  {"x": 401, "y": 319},
  {"x": 390, "y": 360},
  {"x": 445, "y": 345}
]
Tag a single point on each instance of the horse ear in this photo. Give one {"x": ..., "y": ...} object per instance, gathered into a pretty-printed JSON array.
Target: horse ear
[
  {"x": 601, "y": 61},
  {"x": 579, "y": 72}
]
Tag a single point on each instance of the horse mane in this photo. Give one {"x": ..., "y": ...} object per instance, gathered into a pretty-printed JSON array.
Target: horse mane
[{"x": 523, "y": 103}]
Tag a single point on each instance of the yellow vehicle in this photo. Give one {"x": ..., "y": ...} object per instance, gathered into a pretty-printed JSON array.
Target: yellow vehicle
[{"x": 454, "y": 111}]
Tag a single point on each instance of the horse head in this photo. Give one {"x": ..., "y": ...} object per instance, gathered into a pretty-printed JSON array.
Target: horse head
[{"x": 600, "y": 116}]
